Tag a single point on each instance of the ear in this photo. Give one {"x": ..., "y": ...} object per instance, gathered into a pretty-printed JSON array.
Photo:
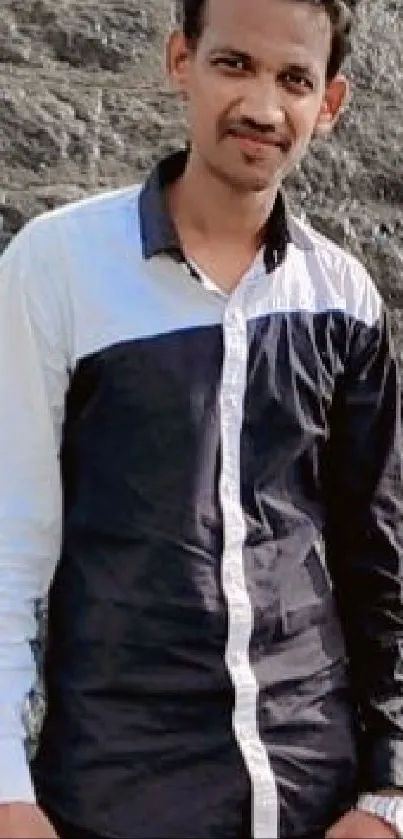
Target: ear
[
  {"x": 334, "y": 102},
  {"x": 177, "y": 56}
]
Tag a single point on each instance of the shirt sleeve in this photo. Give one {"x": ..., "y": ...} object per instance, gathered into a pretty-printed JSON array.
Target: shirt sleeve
[
  {"x": 33, "y": 380},
  {"x": 365, "y": 545}
]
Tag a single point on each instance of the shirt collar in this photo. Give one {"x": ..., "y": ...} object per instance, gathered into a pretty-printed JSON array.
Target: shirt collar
[{"x": 158, "y": 232}]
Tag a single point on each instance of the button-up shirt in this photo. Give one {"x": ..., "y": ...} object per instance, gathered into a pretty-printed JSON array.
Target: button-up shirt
[{"x": 210, "y": 485}]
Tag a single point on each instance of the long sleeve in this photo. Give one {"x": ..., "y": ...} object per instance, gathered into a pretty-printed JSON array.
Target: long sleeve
[
  {"x": 365, "y": 545},
  {"x": 33, "y": 380}
]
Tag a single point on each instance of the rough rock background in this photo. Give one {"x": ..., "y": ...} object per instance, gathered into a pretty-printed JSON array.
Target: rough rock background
[{"x": 84, "y": 107}]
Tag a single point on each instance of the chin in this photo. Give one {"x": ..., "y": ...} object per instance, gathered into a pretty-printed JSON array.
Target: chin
[
  {"x": 248, "y": 178},
  {"x": 251, "y": 181}
]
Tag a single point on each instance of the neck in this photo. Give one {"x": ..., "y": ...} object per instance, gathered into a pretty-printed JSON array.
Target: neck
[{"x": 220, "y": 213}]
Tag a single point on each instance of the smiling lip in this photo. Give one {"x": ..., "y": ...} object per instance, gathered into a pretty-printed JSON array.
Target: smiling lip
[{"x": 255, "y": 143}]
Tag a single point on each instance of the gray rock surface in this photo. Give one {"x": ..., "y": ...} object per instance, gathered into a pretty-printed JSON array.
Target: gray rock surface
[{"x": 84, "y": 107}]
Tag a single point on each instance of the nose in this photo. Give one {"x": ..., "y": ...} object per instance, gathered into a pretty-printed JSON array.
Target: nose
[{"x": 262, "y": 103}]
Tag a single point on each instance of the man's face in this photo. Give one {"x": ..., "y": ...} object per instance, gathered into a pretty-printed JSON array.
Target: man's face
[{"x": 256, "y": 87}]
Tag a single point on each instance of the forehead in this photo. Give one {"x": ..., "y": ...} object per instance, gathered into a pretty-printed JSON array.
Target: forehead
[{"x": 292, "y": 30}]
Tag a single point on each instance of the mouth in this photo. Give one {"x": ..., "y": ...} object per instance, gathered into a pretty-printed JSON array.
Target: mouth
[{"x": 257, "y": 144}]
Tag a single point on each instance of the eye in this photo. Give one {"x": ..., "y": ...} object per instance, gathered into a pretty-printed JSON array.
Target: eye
[
  {"x": 233, "y": 63},
  {"x": 297, "y": 80}
]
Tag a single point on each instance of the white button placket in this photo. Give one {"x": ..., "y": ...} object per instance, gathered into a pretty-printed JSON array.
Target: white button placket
[{"x": 240, "y": 615}]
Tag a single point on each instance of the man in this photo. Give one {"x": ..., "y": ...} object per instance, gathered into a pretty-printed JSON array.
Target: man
[{"x": 224, "y": 546}]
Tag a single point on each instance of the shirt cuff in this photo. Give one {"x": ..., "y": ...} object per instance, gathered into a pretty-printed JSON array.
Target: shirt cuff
[{"x": 15, "y": 776}]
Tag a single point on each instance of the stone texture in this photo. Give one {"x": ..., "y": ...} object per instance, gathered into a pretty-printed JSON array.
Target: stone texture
[{"x": 84, "y": 107}]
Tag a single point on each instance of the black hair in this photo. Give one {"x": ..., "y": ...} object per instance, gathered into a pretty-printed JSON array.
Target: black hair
[{"x": 192, "y": 21}]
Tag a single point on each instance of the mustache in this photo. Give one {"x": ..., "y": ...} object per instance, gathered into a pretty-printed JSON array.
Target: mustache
[{"x": 259, "y": 133}]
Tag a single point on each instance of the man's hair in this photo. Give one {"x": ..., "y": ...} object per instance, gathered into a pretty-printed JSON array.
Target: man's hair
[{"x": 192, "y": 21}]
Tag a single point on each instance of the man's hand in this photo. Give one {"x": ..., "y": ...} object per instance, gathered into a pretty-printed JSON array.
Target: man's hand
[
  {"x": 24, "y": 821},
  {"x": 356, "y": 824}
]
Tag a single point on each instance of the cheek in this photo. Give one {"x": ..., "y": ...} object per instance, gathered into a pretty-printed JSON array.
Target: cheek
[
  {"x": 206, "y": 105},
  {"x": 303, "y": 118},
  {"x": 214, "y": 93}
]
